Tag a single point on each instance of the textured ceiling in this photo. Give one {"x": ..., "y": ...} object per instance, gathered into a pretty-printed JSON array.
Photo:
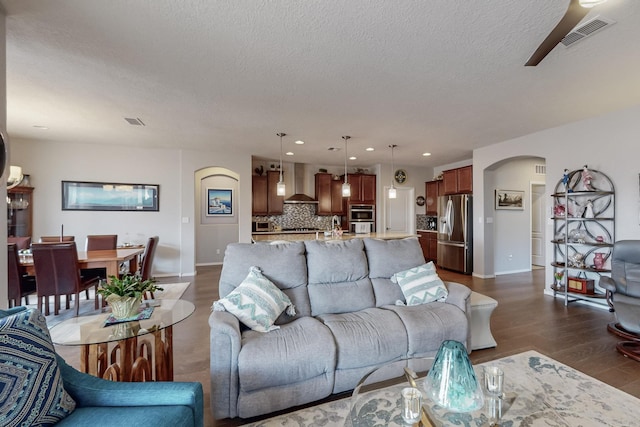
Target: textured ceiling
[{"x": 443, "y": 76}]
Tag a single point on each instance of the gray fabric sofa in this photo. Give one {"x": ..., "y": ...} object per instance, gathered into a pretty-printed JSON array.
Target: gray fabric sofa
[{"x": 347, "y": 322}]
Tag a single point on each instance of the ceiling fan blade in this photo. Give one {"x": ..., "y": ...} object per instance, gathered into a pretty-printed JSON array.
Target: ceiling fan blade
[{"x": 571, "y": 18}]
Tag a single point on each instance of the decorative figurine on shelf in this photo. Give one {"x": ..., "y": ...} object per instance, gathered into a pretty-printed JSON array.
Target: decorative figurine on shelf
[
  {"x": 559, "y": 210},
  {"x": 565, "y": 181},
  {"x": 576, "y": 260},
  {"x": 558, "y": 275},
  {"x": 587, "y": 178},
  {"x": 588, "y": 210},
  {"x": 598, "y": 260}
]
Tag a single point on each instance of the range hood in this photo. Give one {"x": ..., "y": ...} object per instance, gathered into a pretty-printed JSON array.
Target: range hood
[{"x": 298, "y": 177}]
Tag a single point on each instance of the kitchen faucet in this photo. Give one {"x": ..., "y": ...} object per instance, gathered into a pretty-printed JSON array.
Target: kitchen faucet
[{"x": 335, "y": 221}]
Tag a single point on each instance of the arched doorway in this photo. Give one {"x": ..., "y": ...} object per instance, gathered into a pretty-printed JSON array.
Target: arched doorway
[{"x": 214, "y": 227}]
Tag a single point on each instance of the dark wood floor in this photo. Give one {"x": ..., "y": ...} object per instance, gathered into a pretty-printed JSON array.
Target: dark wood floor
[{"x": 525, "y": 319}]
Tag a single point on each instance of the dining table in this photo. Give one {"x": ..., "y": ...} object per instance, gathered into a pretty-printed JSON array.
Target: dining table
[{"x": 109, "y": 259}]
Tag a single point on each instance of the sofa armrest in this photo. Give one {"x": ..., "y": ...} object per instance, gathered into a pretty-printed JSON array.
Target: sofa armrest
[
  {"x": 460, "y": 296},
  {"x": 89, "y": 391},
  {"x": 225, "y": 341}
]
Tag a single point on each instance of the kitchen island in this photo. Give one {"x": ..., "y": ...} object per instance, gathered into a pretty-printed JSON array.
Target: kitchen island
[{"x": 296, "y": 237}]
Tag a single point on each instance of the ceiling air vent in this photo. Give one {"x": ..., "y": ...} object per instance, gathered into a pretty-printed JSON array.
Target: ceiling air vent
[
  {"x": 587, "y": 29},
  {"x": 134, "y": 122}
]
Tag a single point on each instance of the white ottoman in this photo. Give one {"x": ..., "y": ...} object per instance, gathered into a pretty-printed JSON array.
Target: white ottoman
[{"x": 481, "y": 308}]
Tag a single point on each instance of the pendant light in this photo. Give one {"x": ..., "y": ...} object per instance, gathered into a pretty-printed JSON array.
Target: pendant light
[
  {"x": 280, "y": 187},
  {"x": 392, "y": 190},
  {"x": 346, "y": 187}
]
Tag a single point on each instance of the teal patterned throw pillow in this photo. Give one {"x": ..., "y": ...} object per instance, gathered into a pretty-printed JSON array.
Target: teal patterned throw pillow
[
  {"x": 421, "y": 285},
  {"x": 257, "y": 302},
  {"x": 31, "y": 389}
]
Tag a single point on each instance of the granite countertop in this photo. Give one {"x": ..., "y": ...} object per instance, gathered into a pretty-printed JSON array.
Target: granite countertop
[
  {"x": 293, "y": 237},
  {"x": 427, "y": 231}
]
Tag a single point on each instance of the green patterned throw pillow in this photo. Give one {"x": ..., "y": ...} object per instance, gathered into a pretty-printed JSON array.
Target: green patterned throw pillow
[
  {"x": 31, "y": 389},
  {"x": 420, "y": 285},
  {"x": 256, "y": 302}
]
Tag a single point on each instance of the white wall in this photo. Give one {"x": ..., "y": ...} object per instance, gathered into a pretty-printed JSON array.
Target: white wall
[
  {"x": 174, "y": 170},
  {"x": 607, "y": 143}
]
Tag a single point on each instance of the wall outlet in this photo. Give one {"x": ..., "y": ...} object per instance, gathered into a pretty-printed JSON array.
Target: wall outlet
[{"x": 217, "y": 251}]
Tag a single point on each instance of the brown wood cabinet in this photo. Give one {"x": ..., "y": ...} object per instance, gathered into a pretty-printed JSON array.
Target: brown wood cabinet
[
  {"x": 363, "y": 189},
  {"x": 429, "y": 243},
  {"x": 265, "y": 201},
  {"x": 431, "y": 191},
  {"x": 20, "y": 211},
  {"x": 458, "y": 181},
  {"x": 329, "y": 195}
]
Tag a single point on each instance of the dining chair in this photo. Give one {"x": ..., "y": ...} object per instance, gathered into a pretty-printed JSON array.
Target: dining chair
[
  {"x": 56, "y": 239},
  {"x": 21, "y": 242},
  {"x": 57, "y": 273},
  {"x": 19, "y": 283},
  {"x": 99, "y": 242},
  {"x": 147, "y": 259}
]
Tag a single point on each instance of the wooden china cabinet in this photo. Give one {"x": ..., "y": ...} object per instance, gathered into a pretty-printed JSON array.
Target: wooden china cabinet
[{"x": 19, "y": 211}]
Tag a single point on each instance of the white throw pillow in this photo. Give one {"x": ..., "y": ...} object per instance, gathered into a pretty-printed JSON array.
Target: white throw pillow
[
  {"x": 421, "y": 285},
  {"x": 256, "y": 302}
]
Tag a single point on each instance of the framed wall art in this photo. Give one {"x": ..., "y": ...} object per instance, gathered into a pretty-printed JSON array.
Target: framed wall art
[
  {"x": 219, "y": 202},
  {"x": 109, "y": 196},
  {"x": 510, "y": 199}
]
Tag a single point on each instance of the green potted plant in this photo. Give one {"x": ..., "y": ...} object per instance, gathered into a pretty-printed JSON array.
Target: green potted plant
[{"x": 124, "y": 294}]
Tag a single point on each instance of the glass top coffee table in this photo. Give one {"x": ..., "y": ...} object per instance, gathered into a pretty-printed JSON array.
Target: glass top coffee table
[
  {"x": 377, "y": 401},
  {"x": 140, "y": 350}
]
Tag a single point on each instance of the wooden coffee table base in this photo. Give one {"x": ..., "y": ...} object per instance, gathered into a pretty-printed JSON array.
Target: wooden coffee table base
[{"x": 145, "y": 358}]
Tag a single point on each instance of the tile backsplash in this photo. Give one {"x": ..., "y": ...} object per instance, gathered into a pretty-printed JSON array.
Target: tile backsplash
[{"x": 298, "y": 215}]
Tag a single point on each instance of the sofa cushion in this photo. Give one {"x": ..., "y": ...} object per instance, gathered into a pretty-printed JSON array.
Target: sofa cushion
[
  {"x": 256, "y": 302},
  {"x": 31, "y": 388},
  {"x": 426, "y": 328},
  {"x": 285, "y": 265},
  {"x": 338, "y": 276},
  {"x": 298, "y": 351},
  {"x": 420, "y": 285},
  {"x": 387, "y": 257},
  {"x": 367, "y": 337}
]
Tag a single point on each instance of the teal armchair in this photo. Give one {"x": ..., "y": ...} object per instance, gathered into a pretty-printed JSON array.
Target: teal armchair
[{"x": 100, "y": 402}]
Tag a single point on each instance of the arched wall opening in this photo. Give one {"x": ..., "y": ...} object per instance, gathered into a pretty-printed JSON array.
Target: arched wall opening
[
  {"x": 216, "y": 219},
  {"x": 503, "y": 240}
]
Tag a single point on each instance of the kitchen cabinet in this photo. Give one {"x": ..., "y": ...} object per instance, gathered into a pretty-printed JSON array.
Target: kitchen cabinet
[
  {"x": 329, "y": 195},
  {"x": 432, "y": 191},
  {"x": 458, "y": 181},
  {"x": 583, "y": 236},
  {"x": 19, "y": 211},
  {"x": 429, "y": 243},
  {"x": 265, "y": 201},
  {"x": 363, "y": 189}
]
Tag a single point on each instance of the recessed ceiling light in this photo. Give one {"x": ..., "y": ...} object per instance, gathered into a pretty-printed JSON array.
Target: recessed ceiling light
[
  {"x": 426, "y": 154},
  {"x": 40, "y": 127},
  {"x": 299, "y": 142},
  {"x": 289, "y": 153},
  {"x": 370, "y": 149},
  {"x": 352, "y": 158}
]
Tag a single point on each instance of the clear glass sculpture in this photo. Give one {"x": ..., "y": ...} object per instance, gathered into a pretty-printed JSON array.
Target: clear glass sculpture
[{"x": 451, "y": 381}]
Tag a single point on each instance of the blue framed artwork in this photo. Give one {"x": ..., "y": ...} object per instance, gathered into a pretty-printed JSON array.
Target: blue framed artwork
[
  {"x": 109, "y": 196},
  {"x": 219, "y": 202}
]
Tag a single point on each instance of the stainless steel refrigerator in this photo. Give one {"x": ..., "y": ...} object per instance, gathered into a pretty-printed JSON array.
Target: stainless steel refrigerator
[{"x": 455, "y": 232}]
